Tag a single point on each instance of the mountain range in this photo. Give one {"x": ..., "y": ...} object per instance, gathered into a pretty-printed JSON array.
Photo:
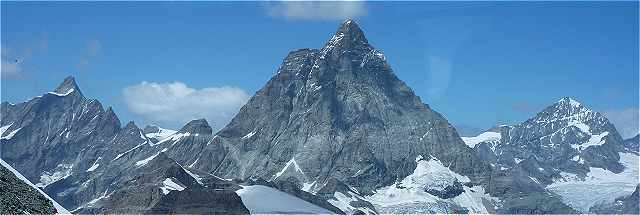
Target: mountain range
[{"x": 333, "y": 131}]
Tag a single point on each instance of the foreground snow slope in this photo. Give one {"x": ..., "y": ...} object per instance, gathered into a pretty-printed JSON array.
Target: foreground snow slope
[
  {"x": 59, "y": 208},
  {"x": 266, "y": 200}
]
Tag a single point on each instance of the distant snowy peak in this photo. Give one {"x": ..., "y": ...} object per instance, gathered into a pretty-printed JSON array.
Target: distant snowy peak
[{"x": 565, "y": 109}]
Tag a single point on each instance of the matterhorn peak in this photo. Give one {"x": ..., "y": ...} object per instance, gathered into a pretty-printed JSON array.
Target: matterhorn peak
[
  {"x": 351, "y": 31},
  {"x": 348, "y": 36},
  {"x": 67, "y": 86}
]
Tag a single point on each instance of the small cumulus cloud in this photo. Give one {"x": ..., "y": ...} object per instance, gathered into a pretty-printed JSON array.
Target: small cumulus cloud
[
  {"x": 316, "y": 10},
  {"x": 174, "y": 104},
  {"x": 626, "y": 121}
]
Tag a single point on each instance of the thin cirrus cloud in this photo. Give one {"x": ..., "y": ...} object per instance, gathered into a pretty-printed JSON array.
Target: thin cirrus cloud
[
  {"x": 316, "y": 10},
  {"x": 91, "y": 50},
  {"x": 13, "y": 61},
  {"x": 174, "y": 104},
  {"x": 10, "y": 70},
  {"x": 625, "y": 120}
]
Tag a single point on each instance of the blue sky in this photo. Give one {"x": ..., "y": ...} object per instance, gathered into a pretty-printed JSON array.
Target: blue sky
[{"x": 478, "y": 63}]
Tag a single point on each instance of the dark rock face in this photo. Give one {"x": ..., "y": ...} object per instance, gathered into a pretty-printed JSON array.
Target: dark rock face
[
  {"x": 17, "y": 197},
  {"x": 633, "y": 144},
  {"x": 448, "y": 192}
]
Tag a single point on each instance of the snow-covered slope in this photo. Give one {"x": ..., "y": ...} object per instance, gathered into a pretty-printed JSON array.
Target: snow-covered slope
[
  {"x": 600, "y": 186},
  {"x": 432, "y": 188},
  {"x": 159, "y": 133},
  {"x": 261, "y": 199},
  {"x": 59, "y": 208},
  {"x": 484, "y": 137}
]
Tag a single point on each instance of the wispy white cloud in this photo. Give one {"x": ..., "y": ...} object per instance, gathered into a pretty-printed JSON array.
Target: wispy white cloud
[
  {"x": 175, "y": 103},
  {"x": 14, "y": 60},
  {"x": 625, "y": 120},
  {"x": 10, "y": 70},
  {"x": 316, "y": 10},
  {"x": 92, "y": 49}
]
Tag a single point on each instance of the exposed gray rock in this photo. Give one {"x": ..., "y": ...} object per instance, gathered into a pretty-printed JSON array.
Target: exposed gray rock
[
  {"x": 17, "y": 197},
  {"x": 338, "y": 112},
  {"x": 632, "y": 144},
  {"x": 623, "y": 205},
  {"x": 162, "y": 186},
  {"x": 565, "y": 137},
  {"x": 87, "y": 162}
]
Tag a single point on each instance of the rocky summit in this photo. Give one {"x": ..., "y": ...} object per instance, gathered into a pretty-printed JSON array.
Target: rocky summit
[{"x": 333, "y": 131}]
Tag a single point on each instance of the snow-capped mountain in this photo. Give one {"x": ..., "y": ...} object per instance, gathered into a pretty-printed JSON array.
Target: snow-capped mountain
[
  {"x": 338, "y": 115},
  {"x": 78, "y": 154},
  {"x": 568, "y": 149},
  {"x": 333, "y": 131}
]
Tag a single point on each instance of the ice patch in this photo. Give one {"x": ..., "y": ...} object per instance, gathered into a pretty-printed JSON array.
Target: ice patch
[
  {"x": 146, "y": 160},
  {"x": 594, "y": 140},
  {"x": 249, "y": 135},
  {"x": 168, "y": 185},
  {"x": 121, "y": 154},
  {"x": 484, "y": 137},
  {"x": 307, "y": 187},
  {"x": 62, "y": 171},
  {"x": 95, "y": 165},
  {"x": 10, "y": 135},
  {"x": 289, "y": 163},
  {"x": 517, "y": 160},
  {"x": 161, "y": 135},
  {"x": 194, "y": 176},
  {"x": 62, "y": 94},
  {"x": 4, "y": 129}
]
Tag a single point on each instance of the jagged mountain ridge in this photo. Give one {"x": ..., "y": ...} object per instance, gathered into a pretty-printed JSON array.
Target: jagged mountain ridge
[{"x": 78, "y": 154}]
